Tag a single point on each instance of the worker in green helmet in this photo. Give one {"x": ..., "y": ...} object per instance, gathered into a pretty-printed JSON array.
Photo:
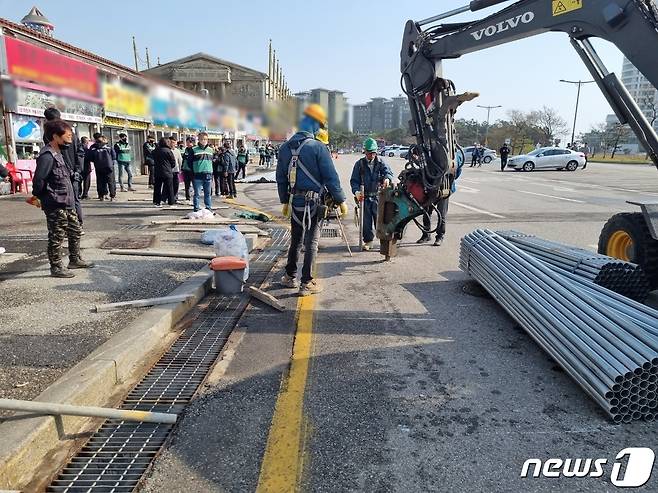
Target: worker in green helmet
[{"x": 370, "y": 173}]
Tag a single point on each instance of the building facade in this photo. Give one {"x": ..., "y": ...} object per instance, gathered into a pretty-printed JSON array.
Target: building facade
[
  {"x": 380, "y": 115},
  {"x": 221, "y": 80}
]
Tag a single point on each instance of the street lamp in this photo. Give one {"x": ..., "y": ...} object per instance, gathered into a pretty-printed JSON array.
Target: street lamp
[
  {"x": 486, "y": 132},
  {"x": 575, "y": 117}
]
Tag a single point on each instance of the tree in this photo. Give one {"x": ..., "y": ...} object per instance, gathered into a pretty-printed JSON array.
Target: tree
[
  {"x": 550, "y": 123},
  {"x": 652, "y": 111}
]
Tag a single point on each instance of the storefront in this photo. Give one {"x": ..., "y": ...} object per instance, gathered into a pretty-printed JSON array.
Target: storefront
[{"x": 41, "y": 79}]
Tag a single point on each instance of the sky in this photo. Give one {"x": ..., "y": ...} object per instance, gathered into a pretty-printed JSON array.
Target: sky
[{"x": 352, "y": 46}]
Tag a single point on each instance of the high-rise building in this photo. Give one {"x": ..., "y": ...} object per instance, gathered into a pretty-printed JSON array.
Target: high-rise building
[
  {"x": 334, "y": 103},
  {"x": 381, "y": 114},
  {"x": 639, "y": 87}
]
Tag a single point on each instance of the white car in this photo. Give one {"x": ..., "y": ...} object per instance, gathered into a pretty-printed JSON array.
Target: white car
[
  {"x": 548, "y": 158},
  {"x": 489, "y": 155},
  {"x": 385, "y": 150},
  {"x": 398, "y": 152}
]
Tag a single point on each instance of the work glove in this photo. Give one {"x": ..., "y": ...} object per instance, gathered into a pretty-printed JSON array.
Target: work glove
[
  {"x": 343, "y": 209},
  {"x": 285, "y": 210},
  {"x": 358, "y": 196}
]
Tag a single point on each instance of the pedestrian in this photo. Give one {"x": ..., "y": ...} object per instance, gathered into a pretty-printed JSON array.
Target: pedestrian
[
  {"x": 218, "y": 172},
  {"x": 229, "y": 167},
  {"x": 261, "y": 154},
  {"x": 586, "y": 151},
  {"x": 86, "y": 173},
  {"x": 442, "y": 210},
  {"x": 243, "y": 160},
  {"x": 53, "y": 187},
  {"x": 372, "y": 173},
  {"x": 188, "y": 160},
  {"x": 504, "y": 154},
  {"x": 163, "y": 173},
  {"x": 269, "y": 152},
  {"x": 304, "y": 170},
  {"x": 103, "y": 158},
  {"x": 178, "y": 157},
  {"x": 474, "y": 155},
  {"x": 74, "y": 157},
  {"x": 480, "y": 155},
  {"x": 203, "y": 172},
  {"x": 124, "y": 161},
  {"x": 148, "y": 149}
]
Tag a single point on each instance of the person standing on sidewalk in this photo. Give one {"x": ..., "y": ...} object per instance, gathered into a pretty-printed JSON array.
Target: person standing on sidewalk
[
  {"x": 243, "y": 160},
  {"x": 163, "y": 173},
  {"x": 53, "y": 187},
  {"x": 372, "y": 173},
  {"x": 504, "y": 154},
  {"x": 230, "y": 167},
  {"x": 202, "y": 168},
  {"x": 124, "y": 160},
  {"x": 175, "y": 149},
  {"x": 304, "y": 171},
  {"x": 188, "y": 161},
  {"x": 103, "y": 157},
  {"x": 86, "y": 173},
  {"x": 74, "y": 157},
  {"x": 148, "y": 149},
  {"x": 218, "y": 172}
]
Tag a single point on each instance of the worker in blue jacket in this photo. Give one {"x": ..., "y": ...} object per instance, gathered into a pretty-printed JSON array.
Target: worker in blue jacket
[
  {"x": 442, "y": 208},
  {"x": 303, "y": 171},
  {"x": 372, "y": 173}
]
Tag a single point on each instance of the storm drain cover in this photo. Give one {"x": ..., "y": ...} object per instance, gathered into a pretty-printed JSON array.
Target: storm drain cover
[
  {"x": 136, "y": 242},
  {"x": 330, "y": 233}
]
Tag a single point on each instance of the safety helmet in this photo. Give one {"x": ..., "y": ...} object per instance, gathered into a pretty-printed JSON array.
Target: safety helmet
[
  {"x": 317, "y": 112},
  {"x": 370, "y": 145},
  {"x": 323, "y": 136}
]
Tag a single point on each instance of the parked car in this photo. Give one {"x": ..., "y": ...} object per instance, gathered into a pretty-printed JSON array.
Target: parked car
[
  {"x": 387, "y": 149},
  {"x": 489, "y": 155},
  {"x": 548, "y": 158},
  {"x": 400, "y": 151}
]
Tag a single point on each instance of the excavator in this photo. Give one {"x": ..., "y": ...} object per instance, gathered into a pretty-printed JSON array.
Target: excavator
[{"x": 631, "y": 25}]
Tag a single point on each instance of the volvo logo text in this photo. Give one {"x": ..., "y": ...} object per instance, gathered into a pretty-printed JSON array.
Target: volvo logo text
[{"x": 505, "y": 25}]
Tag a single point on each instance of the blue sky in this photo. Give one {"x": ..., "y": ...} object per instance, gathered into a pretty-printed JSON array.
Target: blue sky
[{"x": 348, "y": 45}]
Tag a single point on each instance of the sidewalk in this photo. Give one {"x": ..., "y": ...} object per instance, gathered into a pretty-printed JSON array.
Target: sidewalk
[{"x": 46, "y": 326}]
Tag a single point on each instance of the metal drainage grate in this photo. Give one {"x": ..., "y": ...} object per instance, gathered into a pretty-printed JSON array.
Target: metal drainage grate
[
  {"x": 119, "y": 453},
  {"x": 330, "y": 233},
  {"x": 134, "y": 227},
  {"x": 280, "y": 237}
]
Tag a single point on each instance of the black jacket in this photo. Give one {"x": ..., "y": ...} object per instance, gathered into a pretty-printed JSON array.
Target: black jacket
[
  {"x": 148, "y": 150},
  {"x": 504, "y": 151},
  {"x": 74, "y": 157},
  {"x": 52, "y": 181},
  {"x": 103, "y": 157},
  {"x": 4, "y": 172},
  {"x": 164, "y": 162}
]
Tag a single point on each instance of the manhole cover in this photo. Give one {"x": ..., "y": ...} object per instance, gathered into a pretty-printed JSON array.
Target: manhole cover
[
  {"x": 330, "y": 233},
  {"x": 473, "y": 288},
  {"x": 134, "y": 242}
]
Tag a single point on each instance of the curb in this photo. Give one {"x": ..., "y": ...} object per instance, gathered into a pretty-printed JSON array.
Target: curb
[{"x": 31, "y": 447}]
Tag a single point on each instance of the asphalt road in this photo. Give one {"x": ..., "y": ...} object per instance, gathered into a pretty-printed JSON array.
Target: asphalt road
[{"x": 412, "y": 384}]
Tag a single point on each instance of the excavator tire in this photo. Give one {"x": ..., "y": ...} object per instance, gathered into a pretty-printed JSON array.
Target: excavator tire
[{"x": 626, "y": 236}]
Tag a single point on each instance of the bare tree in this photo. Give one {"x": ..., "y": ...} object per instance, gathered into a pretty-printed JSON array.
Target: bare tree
[
  {"x": 550, "y": 123},
  {"x": 652, "y": 110}
]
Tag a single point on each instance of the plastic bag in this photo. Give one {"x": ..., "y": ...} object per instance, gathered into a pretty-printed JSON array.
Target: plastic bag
[
  {"x": 231, "y": 243},
  {"x": 200, "y": 214},
  {"x": 208, "y": 237}
]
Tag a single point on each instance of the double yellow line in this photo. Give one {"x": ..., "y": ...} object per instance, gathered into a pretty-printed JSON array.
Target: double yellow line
[{"x": 282, "y": 464}]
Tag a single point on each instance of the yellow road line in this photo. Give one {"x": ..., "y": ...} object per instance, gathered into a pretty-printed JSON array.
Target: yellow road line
[{"x": 282, "y": 464}]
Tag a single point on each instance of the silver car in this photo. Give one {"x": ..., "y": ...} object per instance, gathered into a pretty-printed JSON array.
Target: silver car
[
  {"x": 489, "y": 155},
  {"x": 548, "y": 158}
]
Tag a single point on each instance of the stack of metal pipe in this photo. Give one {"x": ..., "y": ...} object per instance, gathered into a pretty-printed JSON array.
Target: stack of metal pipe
[
  {"x": 606, "y": 342},
  {"x": 625, "y": 278}
]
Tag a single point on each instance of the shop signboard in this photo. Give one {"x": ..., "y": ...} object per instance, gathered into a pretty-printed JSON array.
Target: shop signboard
[
  {"x": 172, "y": 108},
  {"x": 26, "y": 129},
  {"x": 32, "y": 102},
  {"x": 122, "y": 100},
  {"x": 29, "y": 62}
]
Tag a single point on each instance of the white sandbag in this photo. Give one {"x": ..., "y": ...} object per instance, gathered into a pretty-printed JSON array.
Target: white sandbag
[{"x": 231, "y": 243}]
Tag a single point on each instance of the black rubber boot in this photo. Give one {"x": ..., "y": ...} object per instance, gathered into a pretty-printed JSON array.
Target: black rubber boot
[
  {"x": 61, "y": 272},
  {"x": 78, "y": 263}
]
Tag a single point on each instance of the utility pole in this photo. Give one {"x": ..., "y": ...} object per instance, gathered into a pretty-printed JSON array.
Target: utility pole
[
  {"x": 486, "y": 132},
  {"x": 269, "y": 72},
  {"x": 135, "y": 54},
  {"x": 148, "y": 60},
  {"x": 575, "y": 117}
]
